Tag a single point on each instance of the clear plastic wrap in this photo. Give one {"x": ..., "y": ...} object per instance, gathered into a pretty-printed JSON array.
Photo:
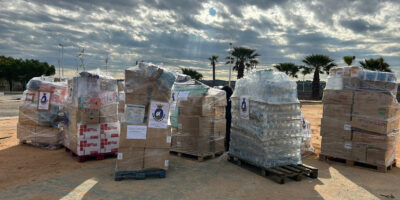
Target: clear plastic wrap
[
  {"x": 40, "y": 112},
  {"x": 306, "y": 136},
  {"x": 266, "y": 120},
  {"x": 145, "y": 134},
  {"x": 91, "y": 124},
  {"x": 197, "y": 119},
  {"x": 361, "y": 115}
]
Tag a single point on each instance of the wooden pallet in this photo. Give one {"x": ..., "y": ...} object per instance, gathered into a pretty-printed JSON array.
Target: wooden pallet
[
  {"x": 100, "y": 156},
  {"x": 279, "y": 174},
  {"x": 199, "y": 158},
  {"x": 378, "y": 168},
  {"x": 139, "y": 175},
  {"x": 42, "y": 145}
]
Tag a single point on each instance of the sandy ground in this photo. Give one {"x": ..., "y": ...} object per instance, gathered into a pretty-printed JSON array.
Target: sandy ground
[{"x": 32, "y": 173}]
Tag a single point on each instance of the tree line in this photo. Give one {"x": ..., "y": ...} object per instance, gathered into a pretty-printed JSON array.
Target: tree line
[
  {"x": 245, "y": 58},
  {"x": 19, "y": 70}
]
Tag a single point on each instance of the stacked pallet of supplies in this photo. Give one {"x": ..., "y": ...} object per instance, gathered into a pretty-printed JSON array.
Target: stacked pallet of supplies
[
  {"x": 361, "y": 116},
  {"x": 198, "y": 119},
  {"x": 40, "y": 112},
  {"x": 266, "y": 120},
  {"x": 91, "y": 125},
  {"x": 145, "y": 135}
]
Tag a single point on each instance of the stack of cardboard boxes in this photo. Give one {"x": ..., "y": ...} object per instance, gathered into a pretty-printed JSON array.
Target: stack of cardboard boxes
[
  {"x": 91, "y": 125},
  {"x": 360, "y": 120},
  {"x": 39, "y": 112},
  {"x": 198, "y": 119},
  {"x": 145, "y": 135}
]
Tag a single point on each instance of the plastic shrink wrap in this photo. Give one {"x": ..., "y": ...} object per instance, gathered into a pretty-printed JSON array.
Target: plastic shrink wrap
[
  {"x": 360, "y": 116},
  {"x": 306, "y": 147},
  {"x": 145, "y": 134},
  {"x": 266, "y": 120},
  {"x": 197, "y": 118},
  {"x": 91, "y": 123},
  {"x": 40, "y": 112}
]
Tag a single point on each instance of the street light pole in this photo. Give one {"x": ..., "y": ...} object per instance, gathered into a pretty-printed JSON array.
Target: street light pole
[
  {"x": 230, "y": 62},
  {"x": 62, "y": 59}
]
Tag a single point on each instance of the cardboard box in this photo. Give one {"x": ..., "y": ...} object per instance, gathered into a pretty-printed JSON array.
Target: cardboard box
[
  {"x": 156, "y": 158},
  {"x": 137, "y": 99},
  {"x": 28, "y": 116},
  {"x": 373, "y": 111},
  {"x": 379, "y": 157},
  {"x": 158, "y": 138},
  {"x": 334, "y": 127},
  {"x": 375, "y": 140},
  {"x": 376, "y": 98},
  {"x": 344, "y": 97},
  {"x": 137, "y": 140},
  {"x": 189, "y": 124},
  {"x": 351, "y": 82},
  {"x": 332, "y": 146},
  {"x": 378, "y": 85},
  {"x": 83, "y": 115},
  {"x": 375, "y": 125},
  {"x": 130, "y": 159},
  {"x": 109, "y": 113},
  {"x": 48, "y": 135},
  {"x": 25, "y": 131},
  {"x": 359, "y": 152},
  {"x": 337, "y": 111}
]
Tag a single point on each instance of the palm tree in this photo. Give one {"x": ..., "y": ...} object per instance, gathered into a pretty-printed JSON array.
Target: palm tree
[
  {"x": 242, "y": 57},
  {"x": 192, "y": 73},
  {"x": 213, "y": 60},
  {"x": 349, "y": 59},
  {"x": 319, "y": 63},
  {"x": 305, "y": 70},
  {"x": 288, "y": 68},
  {"x": 378, "y": 64}
]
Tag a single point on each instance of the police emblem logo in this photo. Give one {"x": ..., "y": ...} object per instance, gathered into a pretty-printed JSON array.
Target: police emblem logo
[
  {"x": 244, "y": 105},
  {"x": 43, "y": 99},
  {"x": 158, "y": 114}
]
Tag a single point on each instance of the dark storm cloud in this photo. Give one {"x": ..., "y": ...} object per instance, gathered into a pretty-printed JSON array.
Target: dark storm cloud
[
  {"x": 360, "y": 26},
  {"x": 182, "y": 33}
]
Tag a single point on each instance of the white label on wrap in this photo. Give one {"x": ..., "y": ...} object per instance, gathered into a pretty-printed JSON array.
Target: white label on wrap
[
  {"x": 244, "y": 107},
  {"x": 44, "y": 101},
  {"x": 348, "y": 145},
  {"x": 122, "y": 96},
  {"x": 134, "y": 113},
  {"x": 129, "y": 90},
  {"x": 168, "y": 139},
  {"x": 136, "y": 132},
  {"x": 119, "y": 156},
  {"x": 347, "y": 127},
  {"x": 183, "y": 95},
  {"x": 166, "y": 162},
  {"x": 158, "y": 114}
]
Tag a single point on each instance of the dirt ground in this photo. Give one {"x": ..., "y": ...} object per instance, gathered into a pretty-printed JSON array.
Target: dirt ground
[{"x": 32, "y": 173}]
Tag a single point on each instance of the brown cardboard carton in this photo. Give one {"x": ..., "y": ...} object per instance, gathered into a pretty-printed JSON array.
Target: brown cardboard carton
[
  {"x": 377, "y": 156},
  {"x": 337, "y": 111},
  {"x": 375, "y": 125},
  {"x": 378, "y": 85},
  {"x": 332, "y": 146},
  {"x": 334, "y": 127},
  {"x": 193, "y": 145},
  {"x": 375, "y": 140},
  {"x": 220, "y": 127},
  {"x": 109, "y": 113},
  {"x": 130, "y": 159},
  {"x": 376, "y": 98},
  {"x": 220, "y": 111},
  {"x": 125, "y": 141},
  {"x": 359, "y": 152},
  {"x": 25, "y": 132},
  {"x": 28, "y": 116},
  {"x": 137, "y": 99},
  {"x": 89, "y": 116},
  {"x": 47, "y": 135},
  {"x": 158, "y": 138},
  {"x": 351, "y": 82},
  {"x": 189, "y": 124},
  {"x": 344, "y": 97},
  {"x": 156, "y": 158},
  {"x": 373, "y": 111}
]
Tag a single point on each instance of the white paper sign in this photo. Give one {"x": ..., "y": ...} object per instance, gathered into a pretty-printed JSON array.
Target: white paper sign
[
  {"x": 347, "y": 127},
  {"x": 348, "y": 145},
  {"x": 134, "y": 113},
  {"x": 166, "y": 162},
  {"x": 119, "y": 156},
  {"x": 183, "y": 95},
  {"x": 158, "y": 114},
  {"x": 44, "y": 101},
  {"x": 136, "y": 132},
  {"x": 168, "y": 139},
  {"x": 244, "y": 107}
]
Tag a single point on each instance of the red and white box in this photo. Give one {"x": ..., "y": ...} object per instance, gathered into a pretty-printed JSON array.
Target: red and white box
[
  {"x": 89, "y": 131},
  {"x": 109, "y": 137},
  {"x": 88, "y": 147}
]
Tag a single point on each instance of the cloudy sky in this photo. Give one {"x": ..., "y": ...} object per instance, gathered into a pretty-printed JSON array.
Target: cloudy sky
[{"x": 184, "y": 33}]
